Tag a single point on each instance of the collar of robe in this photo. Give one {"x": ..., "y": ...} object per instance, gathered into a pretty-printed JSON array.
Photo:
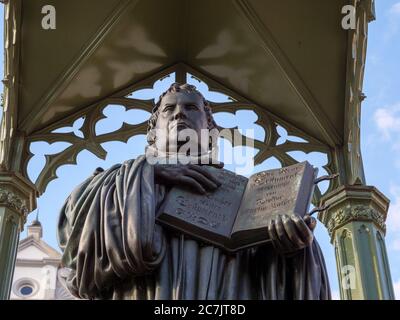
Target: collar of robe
[{"x": 155, "y": 156}]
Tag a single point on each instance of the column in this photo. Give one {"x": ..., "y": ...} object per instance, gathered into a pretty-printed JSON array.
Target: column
[
  {"x": 355, "y": 220},
  {"x": 17, "y": 199}
]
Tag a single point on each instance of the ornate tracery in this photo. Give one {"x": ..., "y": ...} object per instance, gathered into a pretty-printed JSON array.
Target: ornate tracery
[{"x": 269, "y": 147}]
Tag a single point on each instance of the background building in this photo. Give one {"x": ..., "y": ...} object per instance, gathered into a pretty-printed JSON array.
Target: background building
[{"x": 38, "y": 274}]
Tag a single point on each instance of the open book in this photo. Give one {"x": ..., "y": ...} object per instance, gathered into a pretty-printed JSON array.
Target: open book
[{"x": 237, "y": 214}]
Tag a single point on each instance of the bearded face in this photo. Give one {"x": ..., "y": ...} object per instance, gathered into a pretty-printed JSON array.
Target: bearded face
[{"x": 181, "y": 114}]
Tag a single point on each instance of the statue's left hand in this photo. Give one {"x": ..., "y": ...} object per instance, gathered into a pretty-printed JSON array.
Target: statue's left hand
[{"x": 291, "y": 234}]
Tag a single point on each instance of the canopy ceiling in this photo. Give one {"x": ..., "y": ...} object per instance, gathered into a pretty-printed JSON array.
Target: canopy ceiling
[{"x": 287, "y": 56}]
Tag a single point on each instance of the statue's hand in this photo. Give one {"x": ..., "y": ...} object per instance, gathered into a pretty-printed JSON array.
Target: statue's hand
[
  {"x": 291, "y": 234},
  {"x": 190, "y": 176}
]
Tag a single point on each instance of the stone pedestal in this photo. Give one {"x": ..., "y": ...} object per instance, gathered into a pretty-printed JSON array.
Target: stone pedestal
[
  {"x": 17, "y": 199},
  {"x": 355, "y": 220}
]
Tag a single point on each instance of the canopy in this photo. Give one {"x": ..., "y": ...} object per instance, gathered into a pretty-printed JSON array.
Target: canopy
[{"x": 289, "y": 57}]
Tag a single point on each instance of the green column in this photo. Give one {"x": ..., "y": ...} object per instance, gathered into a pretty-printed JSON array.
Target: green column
[
  {"x": 355, "y": 220},
  {"x": 17, "y": 198},
  {"x": 9, "y": 235}
]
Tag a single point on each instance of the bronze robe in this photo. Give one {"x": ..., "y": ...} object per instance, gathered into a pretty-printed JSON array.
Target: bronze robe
[{"x": 115, "y": 250}]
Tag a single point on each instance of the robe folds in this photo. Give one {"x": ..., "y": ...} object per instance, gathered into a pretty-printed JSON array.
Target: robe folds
[{"x": 113, "y": 249}]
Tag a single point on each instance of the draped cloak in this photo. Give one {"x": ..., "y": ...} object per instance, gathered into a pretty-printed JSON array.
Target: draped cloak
[{"x": 114, "y": 250}]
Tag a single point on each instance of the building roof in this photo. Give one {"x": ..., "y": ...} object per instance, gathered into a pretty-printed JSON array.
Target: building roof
[
  {"x": 36, "y": 223},
  {"x": 42, "y": 252}
]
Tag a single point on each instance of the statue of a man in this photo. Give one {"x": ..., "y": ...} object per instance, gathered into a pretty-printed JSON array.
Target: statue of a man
[{"x": 115, "y": 250}]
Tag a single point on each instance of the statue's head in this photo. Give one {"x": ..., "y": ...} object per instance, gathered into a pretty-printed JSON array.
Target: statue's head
[{"x": 180, "y": 108}]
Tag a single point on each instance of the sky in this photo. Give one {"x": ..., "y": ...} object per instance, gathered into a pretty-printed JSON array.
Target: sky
[
  {"x": 380, "y": 134},
  {"x": 380, "y": 123}
]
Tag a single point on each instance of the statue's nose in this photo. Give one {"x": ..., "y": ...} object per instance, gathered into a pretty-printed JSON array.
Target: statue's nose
[{"x": 179, "y": 112}]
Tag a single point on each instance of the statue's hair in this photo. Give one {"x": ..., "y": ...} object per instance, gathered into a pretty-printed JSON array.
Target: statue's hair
[{"x": 176, "y": 87}]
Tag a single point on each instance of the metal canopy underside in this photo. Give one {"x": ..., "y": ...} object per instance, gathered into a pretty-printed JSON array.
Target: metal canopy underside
[{"x": 287, "y": 56}]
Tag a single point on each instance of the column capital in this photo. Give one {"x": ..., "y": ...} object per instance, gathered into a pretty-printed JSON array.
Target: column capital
[
  {"x": 18, "y": 194},
  {"x": 354, "y": 203}
]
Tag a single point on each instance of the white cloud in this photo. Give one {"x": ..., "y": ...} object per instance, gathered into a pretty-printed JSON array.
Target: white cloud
[
  {"x": 387, "y": 120},
  {"x": 395, "y": 9},
  {"x": 393, "y": 25},
  {"x": 396, "y": 287}
]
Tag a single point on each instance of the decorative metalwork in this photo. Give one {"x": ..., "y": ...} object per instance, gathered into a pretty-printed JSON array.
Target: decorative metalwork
[
  {"x": 10, "y": 81},
  {"x": 267, "y": 148},
  {"x": 357, "y": 41},
  {"x": 355, "y": 213},
  {"x": 13, "y": 201}
]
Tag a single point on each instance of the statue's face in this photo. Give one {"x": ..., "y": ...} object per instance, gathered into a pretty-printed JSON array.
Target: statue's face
[{"x": 180, "y": 111}]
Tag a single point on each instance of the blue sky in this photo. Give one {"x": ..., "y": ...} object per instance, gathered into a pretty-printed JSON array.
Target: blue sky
[
  {"x": 380, "y": 124},
  {"x": 380, "y": 140}
]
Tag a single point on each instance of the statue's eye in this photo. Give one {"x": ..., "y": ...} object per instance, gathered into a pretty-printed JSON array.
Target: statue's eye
[
  {"x": 169, "y": 107},
  {"x": 192, "y": 106}
]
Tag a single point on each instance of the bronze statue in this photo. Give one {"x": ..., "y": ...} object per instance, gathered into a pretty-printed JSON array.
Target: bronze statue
[{"x": 115, "y": 250}]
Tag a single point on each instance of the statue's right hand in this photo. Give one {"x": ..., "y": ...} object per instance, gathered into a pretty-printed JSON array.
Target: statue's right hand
[{"x": 190, "y": 176}]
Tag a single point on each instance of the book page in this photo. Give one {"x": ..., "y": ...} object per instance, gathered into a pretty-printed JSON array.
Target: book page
[
  {"x": 268, "y": 194},
  {"x": 216, "y": 211}
]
